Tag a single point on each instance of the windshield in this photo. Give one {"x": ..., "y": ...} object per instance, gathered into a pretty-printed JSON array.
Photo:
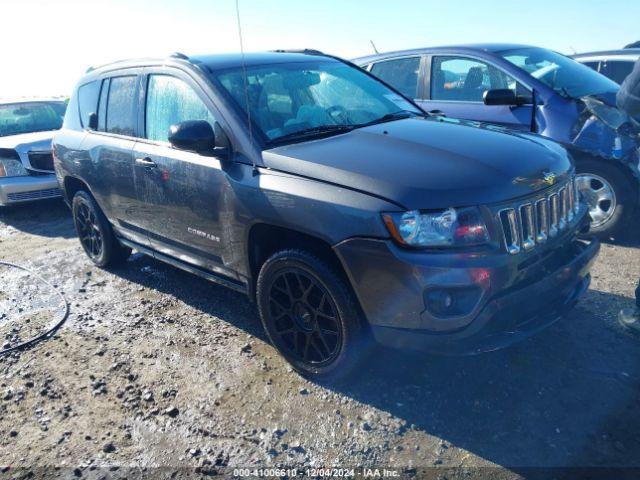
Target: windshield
[
  {"x": 293, "y": 99},
  {"x": 564, "y": 75},
  {"x": 28, "y": 117}
]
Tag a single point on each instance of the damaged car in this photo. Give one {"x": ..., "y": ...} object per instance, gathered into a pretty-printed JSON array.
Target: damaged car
[
  {"x": 535, "y": 90},
  {"x": 26, "y": 163},
  {"x": 335, "y": 203}
]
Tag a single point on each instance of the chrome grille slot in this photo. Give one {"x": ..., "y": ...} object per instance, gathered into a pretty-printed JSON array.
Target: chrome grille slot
[
  {"x": 554, "y": 214},
  {"x": 510, "y": 230},
  {"x": 528, "y": 226},
  {"x": 542, "y": 214},
  {"x": 535, "y": 219},
  {"x": 572, "y": 203},
  {"x": 562, "y": 217}
]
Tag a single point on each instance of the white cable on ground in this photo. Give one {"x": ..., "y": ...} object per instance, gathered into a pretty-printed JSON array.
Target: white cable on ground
[{"x": 51, "y": 330}]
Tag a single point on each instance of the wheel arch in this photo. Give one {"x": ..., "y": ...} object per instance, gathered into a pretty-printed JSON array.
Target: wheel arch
[
  {"x": 265, "y": 239},
  {"x": 72, "y": 185}
]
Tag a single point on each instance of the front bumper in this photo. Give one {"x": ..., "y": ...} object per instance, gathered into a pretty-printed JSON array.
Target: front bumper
[
  {"x": 519, "y": 295},
  {"x": 29, "y": 188}
]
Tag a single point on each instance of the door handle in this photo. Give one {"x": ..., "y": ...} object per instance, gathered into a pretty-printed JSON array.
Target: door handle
[
  {"x": 146, "y": 162},
  {"x": 440, "y": 113}
]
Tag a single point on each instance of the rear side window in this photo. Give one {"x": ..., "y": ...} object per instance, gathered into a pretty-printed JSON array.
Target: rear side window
[
  {"x": 171, "y": 101},
  {"x": 88, "y": 101},
  {"x": 121, "y": 106},
  {"x": 616, "y": 70},
  {"x": 401, "y": 74}
]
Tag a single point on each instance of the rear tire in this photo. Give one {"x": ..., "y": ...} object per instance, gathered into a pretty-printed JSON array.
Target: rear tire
[
  {"x": 311, "y": 316},
  {"x": 609, "y": 195},
  {"x": 95, "y": 232}
]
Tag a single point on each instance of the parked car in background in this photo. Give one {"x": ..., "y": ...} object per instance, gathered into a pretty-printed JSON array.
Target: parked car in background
[
  {"x": 26, "y": 162},
  {"x": 535, "y": 90},
  {"x": 614, "y": 64},
  {"x": 311, "y": 186}
]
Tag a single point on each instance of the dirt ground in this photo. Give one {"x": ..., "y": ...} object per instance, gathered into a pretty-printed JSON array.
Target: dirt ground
[{"x": 162, "y": 371}]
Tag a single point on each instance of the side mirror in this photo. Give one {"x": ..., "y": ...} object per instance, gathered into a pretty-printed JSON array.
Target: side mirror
[
  {"x": 93, "y": 121},
  {"x": 501, "y": 96},
  {"x": 193, "y": 136}
]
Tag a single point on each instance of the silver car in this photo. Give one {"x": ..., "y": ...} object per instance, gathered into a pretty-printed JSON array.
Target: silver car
[{"x": 26, "y": 163}]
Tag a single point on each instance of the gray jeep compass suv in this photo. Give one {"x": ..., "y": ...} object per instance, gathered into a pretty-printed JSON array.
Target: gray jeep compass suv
[{"x": 329, "y": 198}]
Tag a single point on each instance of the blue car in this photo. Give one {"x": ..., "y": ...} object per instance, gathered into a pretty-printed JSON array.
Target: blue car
[{"x": 532, "y": 89}]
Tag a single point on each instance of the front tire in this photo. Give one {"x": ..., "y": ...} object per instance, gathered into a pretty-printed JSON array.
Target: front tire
[
  {"x": 609, "y": 196},
  {"x": 95, "y": 232},
  {"x": 310, "y": 315}
]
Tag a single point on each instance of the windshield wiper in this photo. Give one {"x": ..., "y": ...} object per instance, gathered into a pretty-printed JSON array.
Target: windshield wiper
[
  {"x": 343, "y": 128},
  {"x": 390, "y": 117},
  {"x": 315, "y": 131}
]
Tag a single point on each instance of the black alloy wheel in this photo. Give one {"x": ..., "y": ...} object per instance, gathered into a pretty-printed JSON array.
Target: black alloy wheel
[
  {"x": 311, "y": 315},
  {"x": 304, "y": 317},
  {"x": 95, "y": 232},
  {"x": 89, "y": 231}
]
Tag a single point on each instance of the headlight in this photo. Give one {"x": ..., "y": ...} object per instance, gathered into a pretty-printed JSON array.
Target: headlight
[
  {"x": 12, "y": 167},
  {"x": 451, "y": 227}
]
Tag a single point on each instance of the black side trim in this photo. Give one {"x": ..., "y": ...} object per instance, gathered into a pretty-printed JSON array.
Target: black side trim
[{"x": 201, "y": 272}]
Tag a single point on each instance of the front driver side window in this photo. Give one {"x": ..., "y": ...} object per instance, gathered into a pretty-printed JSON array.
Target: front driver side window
[
  {"x": 171, "y": 101},
  {"x": 465, "y": 80}
]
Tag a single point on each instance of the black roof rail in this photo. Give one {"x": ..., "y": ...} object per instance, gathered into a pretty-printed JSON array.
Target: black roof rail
[
  {"x": 306, "y": 51},
  {"x": 182, "y": 56}
]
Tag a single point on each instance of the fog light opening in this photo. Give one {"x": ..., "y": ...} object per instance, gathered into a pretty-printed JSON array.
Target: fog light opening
[{"x": 451, "y": 302}]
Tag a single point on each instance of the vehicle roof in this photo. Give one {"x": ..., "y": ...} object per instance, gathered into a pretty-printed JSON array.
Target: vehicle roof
[
  {"x": 468, "y": 48},
  {"x": 220, "y": 61},
  {"x": 234, "y": 60},
  {"x": 603, "y": 53},
  {"x": 10, "y": 100}
]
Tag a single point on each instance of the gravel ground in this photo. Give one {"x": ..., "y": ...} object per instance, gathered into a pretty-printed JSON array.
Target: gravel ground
[{"x": 160, "y": 370}]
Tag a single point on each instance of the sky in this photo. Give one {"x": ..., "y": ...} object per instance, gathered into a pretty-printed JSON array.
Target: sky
[{"x": 48, "y": 45}]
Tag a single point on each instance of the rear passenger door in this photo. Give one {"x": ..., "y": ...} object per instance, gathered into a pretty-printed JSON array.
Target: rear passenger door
[
  {"x": 456, "y": 89},
  {"x": 404, "y": 74},
  {"x": 182, "y": 192},
  {"x": 110, "y": 146}
]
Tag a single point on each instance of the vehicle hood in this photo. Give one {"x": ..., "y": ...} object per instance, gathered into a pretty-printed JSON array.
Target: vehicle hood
[
  {"x": 28, "y": 141},
  {"x": 428, "y": 163}
]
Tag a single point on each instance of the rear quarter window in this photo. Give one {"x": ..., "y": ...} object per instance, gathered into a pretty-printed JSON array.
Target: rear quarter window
[{"x": 88, "y": 101}]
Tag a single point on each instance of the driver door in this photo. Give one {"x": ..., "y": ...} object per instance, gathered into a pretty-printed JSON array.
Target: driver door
[{"x": 456, "y": 87}]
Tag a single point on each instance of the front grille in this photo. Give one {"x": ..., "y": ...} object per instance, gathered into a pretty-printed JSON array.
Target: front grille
[
  {"x": 41, "y": 160},
  {"x": 534, "y": 220},
  {"x": 35, "y": 195},
  {"x": 9, "y": 153}
]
